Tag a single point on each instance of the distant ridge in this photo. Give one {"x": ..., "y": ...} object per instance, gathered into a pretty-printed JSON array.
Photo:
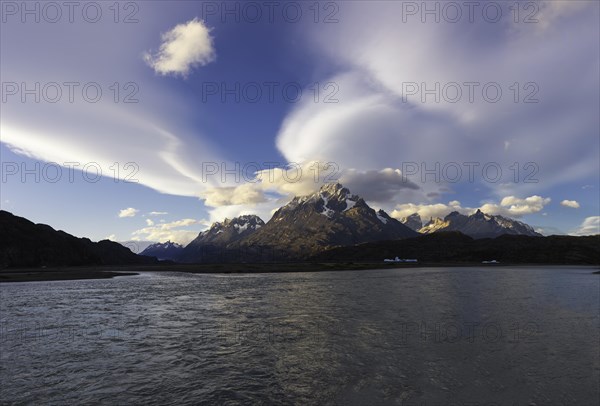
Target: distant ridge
[
  {"x": 163, "y": 251},
  {"x": 450, "y": 247},
  {"x": 477, "y": 225},
  {"x": 25, "y": 244}
]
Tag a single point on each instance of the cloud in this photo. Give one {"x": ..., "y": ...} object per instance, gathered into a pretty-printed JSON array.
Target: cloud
[
  {"x": 551, "y": 10},
  {"x": 128, "y": 212},
  {"x": 427, "y": 211},
  {"x": 95, "y": 136},
  {"x": 509, "y": 206},
  {"x": 589, "y": 226},
  {"x": 570, "y": 203},
  {"x": 274, "y": 187},
  {"x": 516, "y": 207},
  {"x": 233, "y": 195},
  {"x": 547, "y": 230},
  {"x": 158, "y": 213},
  {"x": 177, "y": 231},
  {"x": 149, "y": 222},
  {"x": 111, "y": 237},
  {"x": 184, "y": 47},
  {"x": 155, "y": 137},
  {"x": 379, "y": 186},
  {"x": 374, "y": 116}
]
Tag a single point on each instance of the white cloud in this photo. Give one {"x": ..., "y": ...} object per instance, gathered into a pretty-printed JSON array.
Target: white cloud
[
  {"x": 177, "y": 231},
  {"x": 111, "y": 237},
  {"x": 184, "y": 47},
  {"x": 589, "y": 226},
  {"x": 272, "y": 188},
  {"x": 149, "y": 222},
  {"x": 551, "y": 10},
  {"x": 233, "y": 195},
  {"x": 98, "y": 135},
  {"x": 262, "y": 210},
  {"x": 509, "y": 206},
  {"x": 546, "y": 230},
  {"x": 128, "y": 212},
  {"x": 427, "y": 211},
  {"x": 371, "y": 116},
  {"x": 516, "y": 207},
  {"x": 158, "y": 213},
  {"x": 570, "y": 203},
  {"x": 157, "y": 135},
  {"x": 267, "y": 191}
]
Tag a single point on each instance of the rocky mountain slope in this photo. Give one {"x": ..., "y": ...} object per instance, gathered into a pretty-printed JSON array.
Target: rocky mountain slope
[
  {"x": 216, "y": 243},
  {"x": 413, "y": 222},
  {"x": 327, "y": 218},
  {"x": 477, "y": 225}
]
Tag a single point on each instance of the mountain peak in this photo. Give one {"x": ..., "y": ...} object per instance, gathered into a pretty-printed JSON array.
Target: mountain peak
[
  {"x": 414, "y": 222},
  {"x": 163, "y": 251},
  {"x": 332, "y": 216},
  {"x": 333, "y": 188},
  {"x": 230, "y": 230},
  {"x": 478, "y": 215}
]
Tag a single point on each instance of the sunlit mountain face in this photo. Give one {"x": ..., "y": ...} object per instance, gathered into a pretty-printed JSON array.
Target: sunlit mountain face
[{"x": 210, "y": 111}]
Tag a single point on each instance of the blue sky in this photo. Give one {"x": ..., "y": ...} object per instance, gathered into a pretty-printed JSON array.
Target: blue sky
[{"x": 390, "y": 96}]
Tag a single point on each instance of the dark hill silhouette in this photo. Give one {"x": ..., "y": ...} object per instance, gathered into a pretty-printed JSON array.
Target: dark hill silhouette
[{"x": 26, "y": 244}]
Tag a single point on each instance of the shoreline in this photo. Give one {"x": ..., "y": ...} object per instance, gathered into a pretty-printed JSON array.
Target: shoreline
[{"x": 109, "y": 272}]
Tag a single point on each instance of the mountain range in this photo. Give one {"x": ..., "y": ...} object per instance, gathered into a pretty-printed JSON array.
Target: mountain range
[
  {"x": 330, "y": 217},
  {"x": 328, "y": 224},
  {"x": 476, "y": 225}
]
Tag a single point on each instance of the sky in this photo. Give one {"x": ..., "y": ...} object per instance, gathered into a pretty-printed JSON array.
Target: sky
[{"x": 150, "y": 120}]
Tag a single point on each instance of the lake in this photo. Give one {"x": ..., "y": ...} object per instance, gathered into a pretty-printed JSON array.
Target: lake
[{"x": 421, "y": 336}]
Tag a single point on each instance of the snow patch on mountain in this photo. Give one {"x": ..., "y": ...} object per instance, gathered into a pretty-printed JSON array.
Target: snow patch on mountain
[
  {"x": 350, "y": 203},
  {"x": 381, "y": 218},
  {"x": 327, "y": 212}
]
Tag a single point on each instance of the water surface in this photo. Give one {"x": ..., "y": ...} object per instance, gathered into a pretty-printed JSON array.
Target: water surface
[{"x": 424, "y": 336}]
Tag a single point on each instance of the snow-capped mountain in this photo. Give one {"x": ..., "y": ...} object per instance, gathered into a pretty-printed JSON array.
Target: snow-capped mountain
[
  {"x": 433, "y": 225},
  {"x": 329, "y": 217},
  {"x": 413, "y": 222},
  {"x": 228, "y": 231},
  {"x": 164, "y": 251},
  {"x": 478, "y": 225},
  {"x": 219, "y": 236}
]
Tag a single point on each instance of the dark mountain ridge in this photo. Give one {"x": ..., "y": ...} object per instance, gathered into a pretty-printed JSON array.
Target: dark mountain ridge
[
  {"x": 25, "y": 244},
  {"x": 448, "y": 247}
]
